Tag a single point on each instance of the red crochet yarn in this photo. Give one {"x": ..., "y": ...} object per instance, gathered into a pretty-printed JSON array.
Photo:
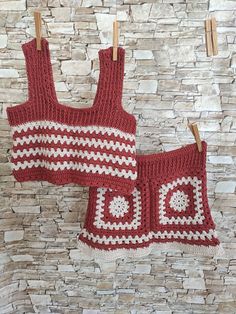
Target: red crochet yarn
[
  {"x": 90, "y": 146},
  {"x": 167, "y": 209}
]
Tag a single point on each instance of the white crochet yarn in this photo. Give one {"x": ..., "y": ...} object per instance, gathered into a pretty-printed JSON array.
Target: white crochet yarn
[
  {"x": 179, "y": 201},
  {"x": 119, "y": 207},
  {"x": 44, "y": 124}
]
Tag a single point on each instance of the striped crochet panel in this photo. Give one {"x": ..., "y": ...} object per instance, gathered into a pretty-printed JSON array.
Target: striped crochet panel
[
  {"x": 61, "y": 153},
  {"x": 167, "y": 210}
]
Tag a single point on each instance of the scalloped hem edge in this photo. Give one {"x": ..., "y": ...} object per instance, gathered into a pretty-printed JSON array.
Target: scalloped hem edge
[{"x": 111, "y": 255}]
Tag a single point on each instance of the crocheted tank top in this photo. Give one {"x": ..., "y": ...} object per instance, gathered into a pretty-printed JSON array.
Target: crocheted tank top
[{"x": 60, "y": 144}]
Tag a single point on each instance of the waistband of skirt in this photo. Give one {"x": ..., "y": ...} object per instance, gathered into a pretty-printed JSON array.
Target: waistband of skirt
[{"x": 175, "y": 161}]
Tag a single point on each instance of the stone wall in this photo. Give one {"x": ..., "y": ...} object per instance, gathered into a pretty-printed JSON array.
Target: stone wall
[{"x": 168, "y": 80}]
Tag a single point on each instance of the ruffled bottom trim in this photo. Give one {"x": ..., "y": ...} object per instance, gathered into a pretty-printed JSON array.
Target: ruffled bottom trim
[{"x": 110, "y": 255}]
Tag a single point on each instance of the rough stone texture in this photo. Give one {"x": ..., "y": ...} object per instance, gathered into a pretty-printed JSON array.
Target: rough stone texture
[
  {"x": 3, "y": 41},
  {"x": 168, "y": 80}
]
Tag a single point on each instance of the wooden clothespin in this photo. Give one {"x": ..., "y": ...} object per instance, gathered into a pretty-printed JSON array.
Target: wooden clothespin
[
  {"x": 194, "y": 129},
  {"x": 208, "y": 37},
  {"x": 115, "y": 40},
  {"x": 214, "y": 36},
  {"x": 38, "y": 25}
]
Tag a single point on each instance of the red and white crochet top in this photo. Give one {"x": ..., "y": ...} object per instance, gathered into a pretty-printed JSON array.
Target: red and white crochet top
[{"x": 90, "y": 146}]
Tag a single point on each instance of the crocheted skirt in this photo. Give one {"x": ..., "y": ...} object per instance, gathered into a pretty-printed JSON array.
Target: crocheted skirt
[{"x": 168, "y": 209}]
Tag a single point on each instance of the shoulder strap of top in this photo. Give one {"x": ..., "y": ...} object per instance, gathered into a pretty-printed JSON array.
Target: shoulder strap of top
[
  {"x": 111, "y": 76},
  {"x": 41, "y": 86}
]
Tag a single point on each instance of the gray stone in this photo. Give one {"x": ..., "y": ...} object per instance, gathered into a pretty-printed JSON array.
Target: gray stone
[
  {"x": 75, "y": 254},
  {"x": 221, "y": 160},
  {"x": 233, "y": 61},
  {"x": 105, "y": 23},
  {"x": 65, "y": 268},
  {"x": 90, "y": 311},
  {"x": 222, "y": 5},
  {"x": 106, "y": 267},
  {"x": 143, "y": 54},
  {"x": 182, "y": 54},
  {"x": 19, "y": 5},
  {"x": 40, "y": 299},
  {"x": 162, "y": 10},
  {"x": 76, "y": 67},
  {"x": 3, "y": 41},
  {"x": 195, "y": 299},
  {"x": 15, "y": 235},
  {"x": 208, "y": 103},
  {"x": 194, "y": 283},
  {"x": 147, "y": 86},
  {"x": 225, "y": 187},
  {"x": 26, "y": 209},
  {"x": 142, "y": 269},
  {"x": 61, "y": 28},
  {"x": 8, "y": 73},
  {"x": 61, "y": 87},
  {"x": 141, "y": 12},
  {"x": 92, "y": 3},
  {"x": 62, "y": 14},
  {"x": 4, "y": 258},
  {"x": 22, "y": 258},
  {"x": 37, "y": 284},
  {"x": 122, "y": 16}
]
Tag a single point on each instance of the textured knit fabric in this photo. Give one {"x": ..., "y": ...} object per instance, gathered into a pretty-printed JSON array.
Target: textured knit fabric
[
  {"x": 91, "y": 146},
  {"x": 167, "y": 209}
]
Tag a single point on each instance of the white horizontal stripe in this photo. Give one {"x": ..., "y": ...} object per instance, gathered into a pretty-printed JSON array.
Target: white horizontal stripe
[
  {"x": 151, "y": 235},
  {"x": 45, "y": 138},
  {"x": 83, "y": 167},
  {"x": 110, "y": 255},
  {"x": 43, "y": 124},
  {"x": 51, "y": 152}
]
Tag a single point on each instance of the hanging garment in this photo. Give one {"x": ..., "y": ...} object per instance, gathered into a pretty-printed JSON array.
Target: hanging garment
[
  {"x": 60, "y": 144},
  {"x": 168, "y": 209}
]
